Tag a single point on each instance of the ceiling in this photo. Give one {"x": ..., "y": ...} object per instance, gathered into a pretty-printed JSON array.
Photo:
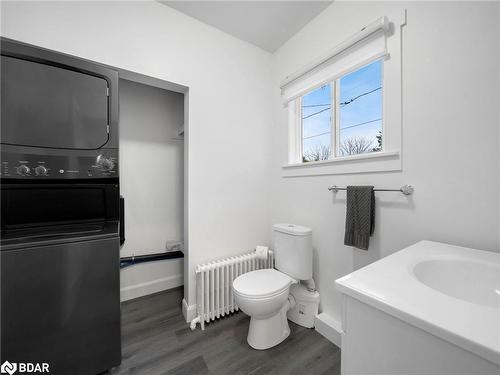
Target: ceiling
[{"x": 266, "y": 24}]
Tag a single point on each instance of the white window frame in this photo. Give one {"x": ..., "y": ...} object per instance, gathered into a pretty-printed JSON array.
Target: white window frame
[
  {"x": 389, "y": 158},
  {"x": 336, "y": 118},
  {"x": 334, "y": 82}
]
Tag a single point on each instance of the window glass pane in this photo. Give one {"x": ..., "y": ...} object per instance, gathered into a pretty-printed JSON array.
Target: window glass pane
[
  {"x": 360, "y": 111},
  {"x": 316, "y": 124}
]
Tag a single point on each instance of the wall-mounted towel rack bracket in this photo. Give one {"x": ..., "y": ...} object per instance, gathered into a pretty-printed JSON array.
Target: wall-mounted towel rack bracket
[{"x": 405, "y": 189}]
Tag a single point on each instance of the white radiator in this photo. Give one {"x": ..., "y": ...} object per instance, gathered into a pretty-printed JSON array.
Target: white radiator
[{"x": 214, "y": 285}]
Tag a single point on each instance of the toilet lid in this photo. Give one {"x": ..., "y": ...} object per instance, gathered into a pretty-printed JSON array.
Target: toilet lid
[{"x": 261, "y": 283}]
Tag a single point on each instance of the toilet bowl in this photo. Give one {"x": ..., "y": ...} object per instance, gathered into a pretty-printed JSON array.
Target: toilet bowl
[{"x": 264, "y": 295}]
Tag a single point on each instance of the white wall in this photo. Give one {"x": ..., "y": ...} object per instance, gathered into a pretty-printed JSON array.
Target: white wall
[
  {"x": 450, "y": 124},
  {"x": 152, "y": 182},
  {"x": 450, "y": 148},
  {"x": 229, "y": 105}
]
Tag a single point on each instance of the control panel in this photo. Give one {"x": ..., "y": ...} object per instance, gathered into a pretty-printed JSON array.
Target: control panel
[{"x": 97, "y": 165}]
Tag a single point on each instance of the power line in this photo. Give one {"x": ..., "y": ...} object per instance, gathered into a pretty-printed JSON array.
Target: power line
[
  {"x": 315, "y": 113},
  {"x": 361, "y": 123},
  {"x": 357, "y": 86},
  {"x": 347, "y": 127},
  {"x": 316, "y": 135},
  {"x": 359, "y": 96},
  {"x": 343, "y": 104},
  {"x": 315, "y": 105}
]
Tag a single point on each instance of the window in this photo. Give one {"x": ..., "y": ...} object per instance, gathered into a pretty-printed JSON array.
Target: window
[
  {"x": 343, "y": 117},
  {"x": 345, "y": 108}
]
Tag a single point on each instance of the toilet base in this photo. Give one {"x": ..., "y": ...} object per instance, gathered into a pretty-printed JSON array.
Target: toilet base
[{"x": 266, "y": 333}]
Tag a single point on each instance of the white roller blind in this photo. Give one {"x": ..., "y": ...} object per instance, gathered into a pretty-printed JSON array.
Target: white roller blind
[{"x": 349, "y": 57}]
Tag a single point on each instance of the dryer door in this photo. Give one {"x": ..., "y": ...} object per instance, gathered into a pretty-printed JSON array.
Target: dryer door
[{"x": 49, "y": 106}]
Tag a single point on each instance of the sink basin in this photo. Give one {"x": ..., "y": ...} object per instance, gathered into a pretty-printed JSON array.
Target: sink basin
[
  {"x": 467, "y": 280},
  {"x": 449, "y": 291}
]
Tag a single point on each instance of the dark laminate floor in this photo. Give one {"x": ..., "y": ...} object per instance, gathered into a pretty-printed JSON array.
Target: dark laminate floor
[{"x": 157, "y": 340}]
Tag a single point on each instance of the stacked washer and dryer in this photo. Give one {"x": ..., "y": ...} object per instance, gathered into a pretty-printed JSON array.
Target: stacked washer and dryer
[
  {"x": 271, "y": 297},
  {"x": 60, "y": 282}
]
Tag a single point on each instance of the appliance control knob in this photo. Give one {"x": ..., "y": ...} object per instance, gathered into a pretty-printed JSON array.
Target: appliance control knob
[
  {"x": 23, "y": 170},
  {"x": 106, "y": 164},
  {"x": 41, "y": 170}
]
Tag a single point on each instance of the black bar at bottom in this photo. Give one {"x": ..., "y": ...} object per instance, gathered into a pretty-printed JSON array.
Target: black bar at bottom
[{"x": 130, "y": 261}]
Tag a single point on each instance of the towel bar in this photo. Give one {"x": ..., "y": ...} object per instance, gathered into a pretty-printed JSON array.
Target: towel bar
[{"x": 405, "y": 189}]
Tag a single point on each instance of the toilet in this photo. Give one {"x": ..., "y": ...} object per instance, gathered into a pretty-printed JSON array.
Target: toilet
[{"x": 264, "y": 294}]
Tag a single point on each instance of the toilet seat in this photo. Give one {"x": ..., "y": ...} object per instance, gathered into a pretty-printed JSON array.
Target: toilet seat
[{"x": 262, "y": 284}]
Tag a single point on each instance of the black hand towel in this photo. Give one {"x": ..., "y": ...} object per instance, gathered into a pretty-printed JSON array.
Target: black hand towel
[{"x": 360, "y": 216}]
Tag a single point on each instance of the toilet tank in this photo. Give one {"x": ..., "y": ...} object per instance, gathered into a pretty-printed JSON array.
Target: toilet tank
[{"x": 293, "y": 250}]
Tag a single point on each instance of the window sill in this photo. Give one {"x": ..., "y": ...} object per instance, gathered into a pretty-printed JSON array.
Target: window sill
[
  {"x": 341, "y": 159},
  {"x": 373, "y": 162}
]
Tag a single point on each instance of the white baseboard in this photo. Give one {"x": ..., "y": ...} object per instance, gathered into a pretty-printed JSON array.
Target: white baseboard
[
  {"x": 329, "y": 327},
  {"x": 150, "y": 287},
  {"x": 189, "y": 311}
]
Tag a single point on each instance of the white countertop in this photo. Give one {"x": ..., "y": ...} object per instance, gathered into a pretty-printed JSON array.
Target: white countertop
[{"x": 391, "y": 286}]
